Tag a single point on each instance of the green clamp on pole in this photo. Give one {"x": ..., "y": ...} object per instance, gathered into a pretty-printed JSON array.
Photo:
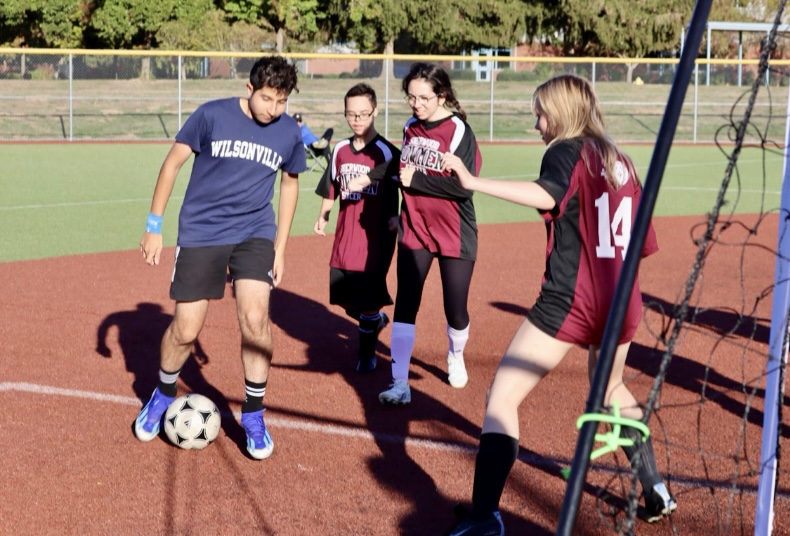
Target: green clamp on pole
[{"x": 612, "y": 439}]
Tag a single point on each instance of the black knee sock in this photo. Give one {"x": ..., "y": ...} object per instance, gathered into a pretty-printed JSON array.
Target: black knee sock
[
  {"x": 495, "y": 459},
  {"x": 253, "y": 396},
  {"x": 167, "y": 382},
  {"x": 368, "y": 334},
  {"x": 642, "y": 454}
]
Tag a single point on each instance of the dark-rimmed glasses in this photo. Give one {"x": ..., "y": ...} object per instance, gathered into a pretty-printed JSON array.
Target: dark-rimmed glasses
[{"x": 364, "y": 116}]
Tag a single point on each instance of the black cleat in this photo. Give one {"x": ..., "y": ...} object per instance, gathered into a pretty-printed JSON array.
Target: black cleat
[
  {"x": 659, "y": 503},
  {"x": 489, "y": 526}
]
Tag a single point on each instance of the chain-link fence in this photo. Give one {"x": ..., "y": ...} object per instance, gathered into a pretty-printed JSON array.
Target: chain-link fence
[{"x": 135, "y": 95}]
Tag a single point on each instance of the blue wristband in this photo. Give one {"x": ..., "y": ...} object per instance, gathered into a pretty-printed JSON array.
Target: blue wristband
[{"x": 153, "y": 224}]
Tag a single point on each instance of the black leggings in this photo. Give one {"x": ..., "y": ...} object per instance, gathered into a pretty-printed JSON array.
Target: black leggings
[{"x": 456, "y": 274}]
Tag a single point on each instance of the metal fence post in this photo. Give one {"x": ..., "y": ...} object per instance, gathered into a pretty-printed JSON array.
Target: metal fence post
[
  {"x": 386, "y": 97},
  {"x": 491, "y": 102},
  {"x": 71, "y": 97},
  {"x": 180, "y": 96},
  {"x": 696, "y": 100}
]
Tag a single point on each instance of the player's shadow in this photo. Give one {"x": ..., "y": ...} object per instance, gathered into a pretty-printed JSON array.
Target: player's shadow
[
  {"x": 723, "y": 322},
  {"x": 703, "y": 381},
  {"x": 699, "y": 377},
  {"x": 140, "y": 333},
  {"x": 331, "y": 350}
]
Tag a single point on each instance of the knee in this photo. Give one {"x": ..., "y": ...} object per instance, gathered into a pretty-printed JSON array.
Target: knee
[
  {"x": 183, "y": 333},
  {"x": 457, "y": 317},
  {"x": 458, "y": 322},
  {"x": 254, "y": 325}
]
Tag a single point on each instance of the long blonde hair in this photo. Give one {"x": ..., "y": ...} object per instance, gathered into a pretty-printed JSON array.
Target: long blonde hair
[{"x": 572, "y": 110}]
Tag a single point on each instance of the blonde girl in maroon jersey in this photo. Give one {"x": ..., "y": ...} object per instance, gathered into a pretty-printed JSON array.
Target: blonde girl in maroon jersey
[{"x": 587, "y": 193}]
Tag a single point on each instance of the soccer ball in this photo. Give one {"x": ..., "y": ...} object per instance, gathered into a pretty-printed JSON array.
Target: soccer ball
[{"x": 192, "y": 421}]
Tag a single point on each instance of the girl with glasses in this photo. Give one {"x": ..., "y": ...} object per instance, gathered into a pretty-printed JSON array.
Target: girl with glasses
[{"x": 437, "y": 222}]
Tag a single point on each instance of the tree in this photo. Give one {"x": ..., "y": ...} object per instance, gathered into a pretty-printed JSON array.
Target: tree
[
  {"x": 487, "y": 23},
  {"x": 623, "y": 28},
  {"x": 372, "y": 24},
  {"x": 136, "y": 23},
  {"x": 295, "y": 18},
  {"x": 43, "y": 23}
]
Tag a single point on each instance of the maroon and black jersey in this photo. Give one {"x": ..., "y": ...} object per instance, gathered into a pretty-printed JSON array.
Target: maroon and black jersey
[
  {"x": 437, "y": 213},
  {"x": 588, "y": 234},
  {"x": 363, "y": 241}
]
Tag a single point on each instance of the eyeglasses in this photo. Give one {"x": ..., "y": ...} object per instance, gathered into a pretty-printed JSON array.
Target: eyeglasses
[
  {"x": 422, "y": 99},
  {"x": 364, "y": 116}
]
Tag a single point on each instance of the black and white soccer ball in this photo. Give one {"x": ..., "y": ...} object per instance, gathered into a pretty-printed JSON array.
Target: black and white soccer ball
[{"x": 192, "y": 421}]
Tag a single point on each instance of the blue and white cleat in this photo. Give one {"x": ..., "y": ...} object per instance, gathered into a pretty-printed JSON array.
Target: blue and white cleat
[
  {"x": 259, "y": 442},
  {"x": 146, "y": 426}
]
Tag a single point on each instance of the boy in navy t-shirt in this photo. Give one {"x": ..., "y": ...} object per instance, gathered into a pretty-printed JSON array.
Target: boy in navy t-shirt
[{"x": 227, "y": 224}]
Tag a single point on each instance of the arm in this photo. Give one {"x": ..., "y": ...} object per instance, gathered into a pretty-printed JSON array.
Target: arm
[
  {"x": 434, "y": 185},
  {"x": 289, "y": 193},
  {"x": 151, "y": 243},
  {"x": 523, "y": 193},
  {"x": 323, "y": 216},
  {"x": 442, "y": 186},
  {"x": 385, "y": 169}
]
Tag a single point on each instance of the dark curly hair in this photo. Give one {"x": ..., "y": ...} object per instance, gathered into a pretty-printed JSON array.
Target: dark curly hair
[{"x": 274, "y": 72}]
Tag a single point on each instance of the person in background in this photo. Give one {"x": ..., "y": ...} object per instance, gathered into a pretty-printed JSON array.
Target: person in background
[
  {"x": 227, "y": 225},
  {"x": 367, "y": 222},
  {"x": 587, "y": 193},
  {"x": 320, "y": 146}
]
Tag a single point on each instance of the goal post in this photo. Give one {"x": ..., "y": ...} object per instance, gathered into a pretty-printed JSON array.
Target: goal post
[{"x": 777, "y": 357}]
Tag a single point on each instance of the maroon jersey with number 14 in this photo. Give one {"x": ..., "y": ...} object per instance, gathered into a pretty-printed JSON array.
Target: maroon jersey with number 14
[
  {"x": 437, "y": 214},
  {"x": 588, "y": 235}
]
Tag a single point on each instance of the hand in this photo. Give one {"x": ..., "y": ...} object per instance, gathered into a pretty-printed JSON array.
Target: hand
[
  {"x": 453, "y": 163},
  {"x": 278, "y": 268},
  {"x": 151, "y": 247},
  {"x": 393, "y": 223},
  {"x": 320, "y": 225},
  {"x": 406, "y": 174},
  {"x": 359, "y": 183}
]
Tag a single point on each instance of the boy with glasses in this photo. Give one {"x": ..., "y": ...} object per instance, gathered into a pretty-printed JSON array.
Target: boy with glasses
[{"x": 367, "y": 222}]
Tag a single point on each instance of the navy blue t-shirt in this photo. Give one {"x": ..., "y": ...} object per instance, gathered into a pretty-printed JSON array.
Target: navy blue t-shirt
[{"x": 229, "y": 195}]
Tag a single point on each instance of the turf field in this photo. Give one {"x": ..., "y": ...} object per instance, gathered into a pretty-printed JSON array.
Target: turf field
[{"x": 68, "y": 199}]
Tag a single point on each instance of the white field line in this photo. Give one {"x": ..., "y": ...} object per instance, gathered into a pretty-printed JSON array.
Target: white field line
[
  {"x": 276, "y": 422},
  {"x": 359, "y": 433}
]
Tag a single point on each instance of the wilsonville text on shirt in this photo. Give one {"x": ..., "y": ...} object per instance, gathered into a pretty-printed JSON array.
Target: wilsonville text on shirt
[{"x": 246, "y": 150}]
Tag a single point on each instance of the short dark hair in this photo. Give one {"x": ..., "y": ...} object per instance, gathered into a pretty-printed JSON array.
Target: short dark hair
[
  {"x": 361, "y": 90},
  {"x": 274, "y": 72},
  {"x": 298, "y": 117}
]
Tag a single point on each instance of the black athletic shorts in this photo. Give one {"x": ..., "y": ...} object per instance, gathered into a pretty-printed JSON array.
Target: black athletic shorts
[
  {"x": 200, "y": 273},
  {"x": 358, "y": 291}
]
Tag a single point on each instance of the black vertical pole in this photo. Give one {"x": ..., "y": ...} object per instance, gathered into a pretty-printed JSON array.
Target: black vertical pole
[{"x": 614, "y": 322}]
